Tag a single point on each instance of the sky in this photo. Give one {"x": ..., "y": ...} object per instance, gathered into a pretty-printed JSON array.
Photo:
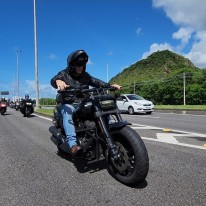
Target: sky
[{"x": 114, "y": 33}]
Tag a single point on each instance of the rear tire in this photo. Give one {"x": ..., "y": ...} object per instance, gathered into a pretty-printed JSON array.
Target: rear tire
[{"x": 132, "y": 168}]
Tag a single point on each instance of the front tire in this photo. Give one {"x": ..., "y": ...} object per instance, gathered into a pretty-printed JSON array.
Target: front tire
[
  {"x": 131, "y": 110},
  {"x": 27, "y": 112},
  {"x": 133, "y": 165}
]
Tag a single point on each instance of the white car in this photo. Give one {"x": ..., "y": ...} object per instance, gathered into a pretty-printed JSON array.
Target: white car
[{"x": 133, "y": 103}]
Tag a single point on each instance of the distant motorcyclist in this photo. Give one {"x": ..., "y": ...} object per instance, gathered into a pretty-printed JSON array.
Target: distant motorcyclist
[
  {"x": 3, "y": 105},
  {"x": 17, "y": 105},
  {"x": 74, "y": 75},
  {"x": 26, "y": 106}
]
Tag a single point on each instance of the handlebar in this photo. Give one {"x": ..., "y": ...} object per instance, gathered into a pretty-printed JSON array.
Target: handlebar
[{"x": 94, "y": 89}]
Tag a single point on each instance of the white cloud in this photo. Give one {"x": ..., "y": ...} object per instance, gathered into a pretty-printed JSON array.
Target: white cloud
[
  {"x": 183, "y": 34},
  {"x": 53, "y": 56},
  {"x": 45, "y": 90},
  {"x": 190, "y": 17},
  {"x": 89, "y": 62},
  {"x": 110, "y": 53},
  {"x": 138, "y": 30},
  {"x": 155, "y": 47}
]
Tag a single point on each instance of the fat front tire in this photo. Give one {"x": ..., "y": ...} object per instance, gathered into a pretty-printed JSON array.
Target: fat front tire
[{"x": 133, "y": 165}]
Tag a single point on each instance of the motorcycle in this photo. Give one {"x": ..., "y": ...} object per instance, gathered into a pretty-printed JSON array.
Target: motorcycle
[
  {"x": 26, "y": 107},
  {"x": 102, "y": 134},
  {"x": 3, "y": 107},
  {"x": 17, "y": 106}
]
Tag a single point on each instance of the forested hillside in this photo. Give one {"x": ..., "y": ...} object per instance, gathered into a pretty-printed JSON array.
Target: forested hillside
[{"x": 165, "y": 78}]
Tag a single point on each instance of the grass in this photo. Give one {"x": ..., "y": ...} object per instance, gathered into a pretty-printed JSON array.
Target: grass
[
  {"x": 181, "y": 107},
  {"x": 49, "y": 112}
]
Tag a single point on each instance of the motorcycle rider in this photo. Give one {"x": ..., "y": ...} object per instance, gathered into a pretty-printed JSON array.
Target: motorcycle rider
[
  {"x": 3, "y": 105},
  {"x": 3, "y": 99},
  {"x": 26, "y": 97},
  {"x": 23, "y": 104},
  {"x": 74, "y": 75}
]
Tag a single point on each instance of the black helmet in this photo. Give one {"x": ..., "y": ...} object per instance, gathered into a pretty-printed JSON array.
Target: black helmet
[
  {"x": 26, "y": 96},
  {"x": 77, "y": 58}
]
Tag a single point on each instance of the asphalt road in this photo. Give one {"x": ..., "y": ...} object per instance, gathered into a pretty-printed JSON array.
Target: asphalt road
[{"x": 32, "y": 172}]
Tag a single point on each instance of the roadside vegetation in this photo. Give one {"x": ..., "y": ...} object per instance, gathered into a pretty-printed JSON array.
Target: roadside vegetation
[
  {"x": 165, "y": 78},
  {"x": 49, "y": 112}
]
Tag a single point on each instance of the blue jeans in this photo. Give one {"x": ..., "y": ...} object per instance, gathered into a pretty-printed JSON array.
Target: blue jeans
[{"x": 66, "y": 112}]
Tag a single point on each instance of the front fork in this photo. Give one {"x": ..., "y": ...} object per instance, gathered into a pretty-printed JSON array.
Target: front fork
[{"x": 110, "y": 142}]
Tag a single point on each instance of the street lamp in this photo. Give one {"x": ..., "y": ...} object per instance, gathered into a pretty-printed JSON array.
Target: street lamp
[
  {"x": 36, "y": 58},
  {"x": 17, "y": 71}
]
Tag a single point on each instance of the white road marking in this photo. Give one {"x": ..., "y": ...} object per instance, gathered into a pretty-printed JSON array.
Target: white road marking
[
  {"x": 161, "y": 137},
  {"x": 47, "y": 118},
  {"x": 167, "y": 137},
  {"x": 179, "y": 144}
]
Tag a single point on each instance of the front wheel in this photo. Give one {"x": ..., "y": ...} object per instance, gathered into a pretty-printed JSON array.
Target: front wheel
[
  {"x": 27, "y": 112},
  {"x": 132, "y": 166},
  {"x": 131, "y": 110}
]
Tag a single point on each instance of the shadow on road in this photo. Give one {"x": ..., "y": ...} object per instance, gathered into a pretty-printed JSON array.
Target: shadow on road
[{"x": 82, "y": 165}]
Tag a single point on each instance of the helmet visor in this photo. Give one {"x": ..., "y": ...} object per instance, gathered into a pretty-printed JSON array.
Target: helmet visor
[{"x": 79, "y": 64}]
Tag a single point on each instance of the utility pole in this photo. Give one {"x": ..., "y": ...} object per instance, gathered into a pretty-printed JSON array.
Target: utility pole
[
  {"x": 107, "y": 73},
  {"x": 134, "y": 88},
  {"x": 184, "y": 88},
  {"x": 17, "y": 71},
  {"x": 36, "y": 58}
]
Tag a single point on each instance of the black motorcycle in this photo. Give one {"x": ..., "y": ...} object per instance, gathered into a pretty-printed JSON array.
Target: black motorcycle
[
  {"x": 17, "y": 106},
  {"x": 26, "y": 107},
  {"x": 101, "y": 132}
]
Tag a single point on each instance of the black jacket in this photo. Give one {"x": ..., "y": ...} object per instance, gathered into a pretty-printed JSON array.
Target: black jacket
[{"x": 85, "y": 79}]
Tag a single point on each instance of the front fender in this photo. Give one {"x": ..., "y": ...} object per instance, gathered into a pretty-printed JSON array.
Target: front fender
[{"x": 118, "y": 125}]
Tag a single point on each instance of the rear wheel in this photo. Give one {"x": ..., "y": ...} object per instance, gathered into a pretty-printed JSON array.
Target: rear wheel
[{"x": 132, "y": 166}]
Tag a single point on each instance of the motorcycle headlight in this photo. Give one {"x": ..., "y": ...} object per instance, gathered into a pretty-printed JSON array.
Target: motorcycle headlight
[
  {"x": 107, "y": 104},
  {"x": 28, "y": 103}
]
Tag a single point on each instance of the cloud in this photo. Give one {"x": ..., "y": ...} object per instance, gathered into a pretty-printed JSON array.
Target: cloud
[
  {"x": 89, "y": 62},
  {"x": 45, "y": 90},
  {"x": 190, "y": 17},
  {"x": 110, "y": 53},
  {"x": 155, "y": 47},
  {"x": 53, "y": 56},
  {"x": 138, "y": 30}
]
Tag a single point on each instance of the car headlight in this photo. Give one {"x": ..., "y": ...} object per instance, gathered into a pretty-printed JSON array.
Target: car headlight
[
  {"x": 137, "y": 103},
  {"x": 107, "y": 104}
]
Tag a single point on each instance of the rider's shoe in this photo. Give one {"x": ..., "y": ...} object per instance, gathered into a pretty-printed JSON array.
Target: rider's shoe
[{"x": 76, "y": 149}]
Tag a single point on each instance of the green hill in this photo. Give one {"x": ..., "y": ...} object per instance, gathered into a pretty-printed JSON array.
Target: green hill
[
  {"x": 159, "y": 65},
  {"x": 160, "y": 78}
]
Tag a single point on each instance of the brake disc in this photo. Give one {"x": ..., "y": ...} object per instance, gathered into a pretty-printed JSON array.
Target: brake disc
[{"x": 123, "y": 161}]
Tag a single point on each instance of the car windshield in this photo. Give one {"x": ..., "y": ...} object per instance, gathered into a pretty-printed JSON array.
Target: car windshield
[{"x": 135, "y": 97}]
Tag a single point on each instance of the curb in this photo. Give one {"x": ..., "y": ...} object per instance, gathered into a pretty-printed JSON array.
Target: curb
[{"x": 176, "y": 111}]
